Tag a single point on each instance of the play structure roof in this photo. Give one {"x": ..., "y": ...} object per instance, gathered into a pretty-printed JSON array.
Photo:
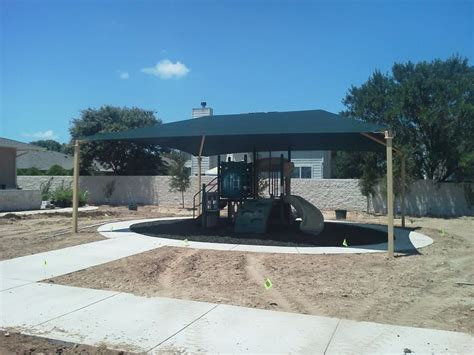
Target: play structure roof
[{"x": 263, "y": 131}]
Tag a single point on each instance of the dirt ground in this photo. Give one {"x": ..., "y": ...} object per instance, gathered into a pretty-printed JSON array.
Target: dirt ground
[
  {"x": 14, "y": 343},
  {"x": 44, "y": 232},
  {"x": 25, "y": 235},
  {"x": 432, "y": 289}
]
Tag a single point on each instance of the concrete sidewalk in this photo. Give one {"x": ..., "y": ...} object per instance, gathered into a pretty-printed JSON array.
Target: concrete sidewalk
[{"x": 127, "y": 322}]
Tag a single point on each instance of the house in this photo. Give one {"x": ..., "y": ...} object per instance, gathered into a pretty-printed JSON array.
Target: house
[
  {"x": 308, "y": 164},
  {"x": 11, "y": 198},
  {"x": 43, "y": 160}
]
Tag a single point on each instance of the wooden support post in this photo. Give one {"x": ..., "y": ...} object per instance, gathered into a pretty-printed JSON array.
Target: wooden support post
[
  {"x": 75, "y": 186},
  {"x": 388, "y": 139},
  {"x": 402, "y": 201},
  {"x": 203, "y": 138}
]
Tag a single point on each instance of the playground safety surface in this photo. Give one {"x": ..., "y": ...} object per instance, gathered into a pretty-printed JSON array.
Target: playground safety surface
[{"x": 333, "y": 234}]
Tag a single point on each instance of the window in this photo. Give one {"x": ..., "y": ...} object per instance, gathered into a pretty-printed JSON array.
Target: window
[
  {"x": 302, "y": 172},
  {"x": 305, "y": 172},
  {"x": 296, "y": 173}
]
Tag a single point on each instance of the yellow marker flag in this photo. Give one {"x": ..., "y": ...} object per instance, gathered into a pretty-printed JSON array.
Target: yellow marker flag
[
  {"x": 442, "y": 233},
  {"x": 186, "y": 242},
  {"x": 344, "y": 243},
  {"x": 267, "y": 284}
]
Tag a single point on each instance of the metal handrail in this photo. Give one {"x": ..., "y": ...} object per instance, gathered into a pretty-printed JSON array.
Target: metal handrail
[{"x": 213, "y": 183}]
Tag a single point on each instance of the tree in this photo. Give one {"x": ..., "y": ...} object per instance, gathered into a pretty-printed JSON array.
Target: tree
[
  {"x": 430, "y": 108},
  {"x": 57, "y": 170},
  {"x": 123, "y": 158},
  {"x": 179, "y": 174},
  {"x": 49, "y": 144}
]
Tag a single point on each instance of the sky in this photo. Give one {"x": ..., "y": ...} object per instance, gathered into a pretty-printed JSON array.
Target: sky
[{"x": 61, "y": 57}]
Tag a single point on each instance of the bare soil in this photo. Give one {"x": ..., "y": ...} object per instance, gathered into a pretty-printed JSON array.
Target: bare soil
[
  {"x": 25, "y": 235},
  {"x": 14, "y": 343},
  {"x": 432, "y": 289}
]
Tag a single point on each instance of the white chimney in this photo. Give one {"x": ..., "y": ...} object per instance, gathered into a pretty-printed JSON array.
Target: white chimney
[{"x": 202, "y": 111}]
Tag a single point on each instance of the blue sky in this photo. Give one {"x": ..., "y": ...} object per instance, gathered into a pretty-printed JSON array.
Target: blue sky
[{"x": 59, "y": 57}]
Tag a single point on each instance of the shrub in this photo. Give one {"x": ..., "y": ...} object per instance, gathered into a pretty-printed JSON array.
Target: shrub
[
  {"x": 46, "y": 190},
  {"x": 57, "y": 170},
  {"x": 30, "y": 172},
  {"x": 62, "y": 196}
]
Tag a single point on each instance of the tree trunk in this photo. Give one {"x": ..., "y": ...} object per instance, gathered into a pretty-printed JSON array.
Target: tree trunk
[{"x": 182, "y": 199}]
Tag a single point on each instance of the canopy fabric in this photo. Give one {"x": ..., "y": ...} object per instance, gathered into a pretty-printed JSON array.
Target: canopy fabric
[{"x": 266, "y": 131}]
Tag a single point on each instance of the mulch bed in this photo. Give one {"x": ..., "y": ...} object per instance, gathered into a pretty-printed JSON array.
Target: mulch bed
[{"x": 334, "y": 234}]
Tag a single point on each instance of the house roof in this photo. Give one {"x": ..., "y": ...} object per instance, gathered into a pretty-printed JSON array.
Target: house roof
[
  {"x": 298, "y": 130},
  {"x": 10, "y": 143},
  {"x": 43, "y": 160}
]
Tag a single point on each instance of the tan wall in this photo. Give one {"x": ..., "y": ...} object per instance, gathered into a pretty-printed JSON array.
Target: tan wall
[
  {"x": 423, "y": 198},
  {"x": 8, "y": 167},
  {"x": 19, "y": 200}
]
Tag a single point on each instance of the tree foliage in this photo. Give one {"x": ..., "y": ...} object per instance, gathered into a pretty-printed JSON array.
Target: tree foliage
[
  {"x": 49, "y": 144},
  {"x": 180, "y": 180},
  {"x": 430, "y": 108},
  {"x": 123, "y": 158},
  {"x": 58, "y": 170}
]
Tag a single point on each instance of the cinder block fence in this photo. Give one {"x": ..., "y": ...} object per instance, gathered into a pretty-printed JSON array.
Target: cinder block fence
[{"x": 423, "y": 198}]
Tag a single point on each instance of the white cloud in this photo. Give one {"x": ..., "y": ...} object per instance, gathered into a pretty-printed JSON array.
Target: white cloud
[
  {"x": 49, "y": 134},
  {"x": 166, "y": 69},
  {"x": 124, "y": 75}
]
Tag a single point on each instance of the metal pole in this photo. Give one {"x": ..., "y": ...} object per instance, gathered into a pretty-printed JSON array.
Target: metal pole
[
  {"x": 75, "y": 186},
  {"x": 282, "y": 177},
  {"x": 218, "y": 186},
  {"x": 288, "y": 180},
  {"x": 403, "y": 191},
  {"x": 255, "y": 174},
  {"x": 203, "y": 138},
  {"x": 388, "y": 139},
  {"x": 269, "y": 169}
]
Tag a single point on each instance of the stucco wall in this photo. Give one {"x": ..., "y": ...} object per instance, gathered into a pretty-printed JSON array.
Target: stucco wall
[
  {"x": 424, "y": 197},
  {"x": 7, "y": 167},
  {"x": 431, "y": 198},
  {"x": 19, "y": 200}
]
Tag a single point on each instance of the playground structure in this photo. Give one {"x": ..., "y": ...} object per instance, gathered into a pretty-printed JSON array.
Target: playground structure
[
  {"x": 262, "y": 132},
  {"x": 255, "y": 194}
]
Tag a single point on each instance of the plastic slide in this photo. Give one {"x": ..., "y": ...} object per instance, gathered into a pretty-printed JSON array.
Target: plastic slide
[{"x": 312, "y": 220}]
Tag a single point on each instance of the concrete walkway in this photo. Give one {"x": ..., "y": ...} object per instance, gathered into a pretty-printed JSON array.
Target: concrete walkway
[{"x": 127, "y": 322}]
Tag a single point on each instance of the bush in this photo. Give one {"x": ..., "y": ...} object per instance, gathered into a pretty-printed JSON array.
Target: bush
[
  {"x": 62, "y": 196},
  {"x": 57, "y": 170},
  {"x": 30, "y": 172},
  {"x": 46, "y": 190}
]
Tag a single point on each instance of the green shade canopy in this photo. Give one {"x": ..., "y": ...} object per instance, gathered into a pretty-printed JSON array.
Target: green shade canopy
[{"x": 262, "y": 131}]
